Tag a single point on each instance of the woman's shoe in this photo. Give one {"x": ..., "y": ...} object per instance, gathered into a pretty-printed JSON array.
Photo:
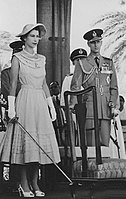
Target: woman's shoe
[
  {"x": 39, "y": 193},
  {"x": 28, "y": 194}
]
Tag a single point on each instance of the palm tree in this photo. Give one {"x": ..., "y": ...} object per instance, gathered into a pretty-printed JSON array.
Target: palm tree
[
  {"x": 114, "y": 43},
  {"x": 114, "y": 25}
]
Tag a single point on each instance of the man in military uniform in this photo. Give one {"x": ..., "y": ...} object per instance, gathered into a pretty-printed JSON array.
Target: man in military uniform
[
  {"x": 16, "y": 46},
  {"x": 74, "y": 57},
  {"x": 98, "y": 71}
]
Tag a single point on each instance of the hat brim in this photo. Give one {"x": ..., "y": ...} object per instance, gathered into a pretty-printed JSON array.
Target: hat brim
[
  {"x": 41, "y": 27},
  {"x": 16, "y": 44},
  {"x": 95, "y": 39},
  {"x": 78, "y": 56}
]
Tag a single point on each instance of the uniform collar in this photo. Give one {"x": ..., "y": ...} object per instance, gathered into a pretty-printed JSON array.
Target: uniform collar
[{"x": 95, "y": 56}]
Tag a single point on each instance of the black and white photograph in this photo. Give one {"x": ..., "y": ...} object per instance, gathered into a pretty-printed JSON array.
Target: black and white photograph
[{"x": 63, "y": 99}]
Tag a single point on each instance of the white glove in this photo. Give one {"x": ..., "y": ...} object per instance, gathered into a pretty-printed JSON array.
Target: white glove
[
  {"x": 11, "y": 107},
  {"x": 52, "y": 108},
  {"x": 115, "y": 112}
]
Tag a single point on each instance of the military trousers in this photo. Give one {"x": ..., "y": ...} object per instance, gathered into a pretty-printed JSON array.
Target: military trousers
[{"x": 104, "y": 132}]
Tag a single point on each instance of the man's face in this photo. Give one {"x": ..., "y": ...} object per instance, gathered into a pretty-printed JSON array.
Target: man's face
[
  {"x": 55, "y": 90},
  {"x": 121, "y": 102},
  {"x": 95, "y": 46}
]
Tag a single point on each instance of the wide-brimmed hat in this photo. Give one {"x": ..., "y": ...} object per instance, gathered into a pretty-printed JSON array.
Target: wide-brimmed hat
[
  {"x": 93, "y": 35},
  {"x": 27, "y": 28},
  {"x": 78, "y": 53}
]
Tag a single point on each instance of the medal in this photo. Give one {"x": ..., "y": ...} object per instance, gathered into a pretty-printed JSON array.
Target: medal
[{"x": 108, "y": 79}]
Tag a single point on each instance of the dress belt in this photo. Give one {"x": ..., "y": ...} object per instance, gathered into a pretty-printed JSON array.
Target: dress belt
[{"x": 30, "y": 87}]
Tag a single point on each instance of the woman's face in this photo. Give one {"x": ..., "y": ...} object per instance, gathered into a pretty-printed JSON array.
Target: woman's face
[{"x": 32, "y": 39}]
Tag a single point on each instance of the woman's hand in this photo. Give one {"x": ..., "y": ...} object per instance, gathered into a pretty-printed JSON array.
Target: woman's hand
[
  {"x": 52, "y": 108},
  {"x": 53, "y": 114}
]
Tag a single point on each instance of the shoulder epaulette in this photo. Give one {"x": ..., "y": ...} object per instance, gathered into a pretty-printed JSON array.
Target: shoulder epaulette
[
  {"x": 6, "y": 69},
  {"x": 69, "y": 74},
  {"x": 107, "y": 58}
]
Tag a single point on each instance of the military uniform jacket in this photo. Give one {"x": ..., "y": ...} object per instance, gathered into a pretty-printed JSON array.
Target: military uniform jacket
[
  {"x": 104, "y": 78},
  {"x": 5, "y": 83}
]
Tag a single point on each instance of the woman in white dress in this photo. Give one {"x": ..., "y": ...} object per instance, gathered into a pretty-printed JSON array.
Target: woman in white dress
[
  {"x": 31, "y": 106},
  {"x": 117, "y": 135}
]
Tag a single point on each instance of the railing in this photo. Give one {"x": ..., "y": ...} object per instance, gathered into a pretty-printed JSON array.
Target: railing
[{"x": 80, "y": 111}]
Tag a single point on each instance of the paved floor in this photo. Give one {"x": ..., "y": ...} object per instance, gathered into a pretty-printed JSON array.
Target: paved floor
[
  {"x": 63, "y": 192},
  {"x": 59, "y": 192},
  {"x": 79, "y": 195},
  {"x": 48, "y": 196},
  {"x": 85, "y": 189}
]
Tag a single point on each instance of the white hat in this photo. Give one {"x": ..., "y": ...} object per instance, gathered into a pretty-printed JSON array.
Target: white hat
[{"x": 27, "y": 28}]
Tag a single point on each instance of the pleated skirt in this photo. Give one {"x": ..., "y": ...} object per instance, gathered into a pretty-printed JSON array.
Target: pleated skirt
[{"x": 17, "y": 147}]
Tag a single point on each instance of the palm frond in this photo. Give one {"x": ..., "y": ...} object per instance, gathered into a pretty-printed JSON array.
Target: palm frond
[
  {"x": 111, "y": 16},
  {"x": 119, "y": 48},
  {"x": 114, "y": 26}
]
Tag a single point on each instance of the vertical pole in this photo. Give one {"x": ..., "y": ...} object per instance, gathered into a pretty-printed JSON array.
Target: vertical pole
[{"x": 97, "y": 137}]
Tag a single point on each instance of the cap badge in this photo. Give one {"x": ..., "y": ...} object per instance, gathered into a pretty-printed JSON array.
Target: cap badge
[
  {"x": 94, "y": 34},
  {"x": 80, "y": 51}
]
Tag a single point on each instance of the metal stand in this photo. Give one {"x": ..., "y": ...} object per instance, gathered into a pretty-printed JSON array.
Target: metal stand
[{"x": 115, "y": 140}]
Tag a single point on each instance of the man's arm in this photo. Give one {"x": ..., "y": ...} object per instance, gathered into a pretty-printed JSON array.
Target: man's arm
[
  {"x": 76, "y": 82},
  {"x": 113, "y": 86},
  {"x": 5, "y": 82}
]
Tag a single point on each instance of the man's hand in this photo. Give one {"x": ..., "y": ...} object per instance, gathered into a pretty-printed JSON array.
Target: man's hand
[{"x": 115, "y": 112}]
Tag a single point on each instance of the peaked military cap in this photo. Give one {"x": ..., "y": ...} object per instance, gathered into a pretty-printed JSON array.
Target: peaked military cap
[
  {"x": 93, "y": 35},
  {"x": 54, "y": 84},
  {"x": 17, "y": 46},
  {"x": 78, "y": 53}
]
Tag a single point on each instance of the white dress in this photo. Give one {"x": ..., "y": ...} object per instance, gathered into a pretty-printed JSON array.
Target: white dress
[
  {"x": 33, "y": 113},
  {"x": 120, "y": 139}
]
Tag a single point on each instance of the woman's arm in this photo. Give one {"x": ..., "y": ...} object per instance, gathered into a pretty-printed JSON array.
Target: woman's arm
[
  {"x": 46, "y": 89},
  {"x": 49, "y": 101}
]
